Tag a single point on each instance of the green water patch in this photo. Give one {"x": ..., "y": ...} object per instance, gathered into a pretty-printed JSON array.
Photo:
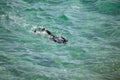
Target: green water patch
[
  {"x": 4, "y": 8},
  {"x": 115, "y": 43},
  {"x": 70, "y": 65},
  {"x": 4, "y": 30},
  {"x": 31, "y": 1},
  {"x": 45, "y": 1},
  {"x": 108, "y": 7},
  {"x": 5, "y": 60},
  {"x": 63, "y": 20},
  {"x": 88, "y": 1},
  {"x": 33, "y": 9},
  {"x": 38, "y": 77},
  {"x": 108, "y": 67},
  {"x": 47, "y": 62},
  {"x": 108, "y": 29}
]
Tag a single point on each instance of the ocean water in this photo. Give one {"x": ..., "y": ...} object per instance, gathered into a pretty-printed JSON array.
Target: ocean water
[{"x": 92, "y": 28}]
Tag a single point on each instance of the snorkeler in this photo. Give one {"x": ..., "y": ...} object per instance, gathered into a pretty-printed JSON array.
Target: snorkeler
[{"x": 59, "y": 39}]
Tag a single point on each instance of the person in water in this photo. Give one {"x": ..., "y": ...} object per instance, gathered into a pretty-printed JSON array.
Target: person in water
[{"x": 59, "y": 39}]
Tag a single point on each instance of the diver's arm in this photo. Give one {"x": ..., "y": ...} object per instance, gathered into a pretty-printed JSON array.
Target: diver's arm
[
  {"x": 64, "y": 39},
  {"x": 34, "y": 31},
  {"x": 49, "y": 33}
]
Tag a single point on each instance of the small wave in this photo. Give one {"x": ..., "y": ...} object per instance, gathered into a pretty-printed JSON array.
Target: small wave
[
  {"x": 64, "y": 17},
  {"x": 108, "y": 7},
  {"x": 34, "y": 9},
  {"x": 31, "y": 1}
]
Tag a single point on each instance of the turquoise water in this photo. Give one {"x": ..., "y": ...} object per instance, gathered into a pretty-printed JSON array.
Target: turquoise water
[{"x": 91, "y": 26}]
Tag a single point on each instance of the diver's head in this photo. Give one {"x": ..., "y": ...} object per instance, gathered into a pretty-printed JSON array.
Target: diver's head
[{"x": 42, "y": 29}]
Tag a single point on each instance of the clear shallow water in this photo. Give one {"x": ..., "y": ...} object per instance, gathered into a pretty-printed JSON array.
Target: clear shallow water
[{"x": 91, "y": 26}]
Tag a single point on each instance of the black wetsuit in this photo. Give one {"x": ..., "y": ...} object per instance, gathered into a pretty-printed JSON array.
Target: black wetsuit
[
  {"x": 52, "y": 37},
  {"x": 58, "y": 39}
]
